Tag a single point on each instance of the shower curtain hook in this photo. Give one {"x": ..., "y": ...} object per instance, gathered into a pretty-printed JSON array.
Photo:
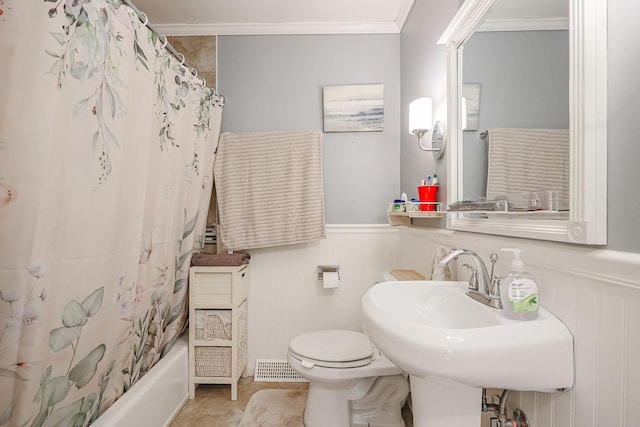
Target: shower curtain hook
[
  {"x": 164, "y": 41},
  {"x": 204, "y": 82},
  {"x": 183, "y": 58},
  {"x": 194, "y": 72},
  {"x": 219, "y": 98},
  {"x": 146, "y": 18}
]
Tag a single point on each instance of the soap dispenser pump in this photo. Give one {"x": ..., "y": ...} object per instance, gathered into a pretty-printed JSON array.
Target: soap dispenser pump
[{"x": 518, "y": 291}]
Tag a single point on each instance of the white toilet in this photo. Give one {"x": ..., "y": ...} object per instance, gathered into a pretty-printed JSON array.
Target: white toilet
[{"x": 351, "y": 383}]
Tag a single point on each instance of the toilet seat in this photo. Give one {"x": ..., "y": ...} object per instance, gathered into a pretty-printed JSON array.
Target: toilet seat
[{"x": 332, "y": 349}]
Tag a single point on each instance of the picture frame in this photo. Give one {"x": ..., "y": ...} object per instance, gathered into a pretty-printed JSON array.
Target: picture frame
[{"x": 353, "y": 108}]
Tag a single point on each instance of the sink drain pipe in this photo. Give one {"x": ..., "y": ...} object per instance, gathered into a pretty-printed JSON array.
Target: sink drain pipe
[{"x": 500, "y": 410}]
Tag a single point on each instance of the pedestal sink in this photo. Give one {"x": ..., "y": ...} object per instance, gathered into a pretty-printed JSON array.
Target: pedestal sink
[{"x": 452, "y": 346}]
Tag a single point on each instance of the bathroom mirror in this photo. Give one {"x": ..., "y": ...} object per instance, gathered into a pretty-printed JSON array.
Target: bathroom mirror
[{"x": 586, "y": 220}]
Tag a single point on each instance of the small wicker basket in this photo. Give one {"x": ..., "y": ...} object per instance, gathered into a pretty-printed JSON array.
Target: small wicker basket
[{"x": 213, "y": 326}]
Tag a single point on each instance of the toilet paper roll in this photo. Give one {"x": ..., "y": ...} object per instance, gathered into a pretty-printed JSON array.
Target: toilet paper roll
[{"x": 330, "y": 279}]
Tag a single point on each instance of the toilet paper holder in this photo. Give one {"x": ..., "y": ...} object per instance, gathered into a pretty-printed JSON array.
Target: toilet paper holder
[{"x": 327, "y": 269}]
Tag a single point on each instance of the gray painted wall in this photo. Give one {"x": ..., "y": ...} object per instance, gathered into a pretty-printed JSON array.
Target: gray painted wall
[
  {"x": 524, "y": 83},
  {"x": 274, "y": 83}
]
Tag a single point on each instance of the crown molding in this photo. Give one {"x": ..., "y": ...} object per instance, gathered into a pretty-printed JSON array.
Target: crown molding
[
  {"x": 403, "y": 14},
  {"x": 279, "y": 28}
]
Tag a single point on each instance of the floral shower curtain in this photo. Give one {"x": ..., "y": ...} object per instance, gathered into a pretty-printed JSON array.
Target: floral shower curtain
[{"x": 106, "y": 154}]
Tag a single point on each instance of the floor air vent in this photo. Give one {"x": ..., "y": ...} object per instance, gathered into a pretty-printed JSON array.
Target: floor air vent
[{"x": 274, "y": 370}]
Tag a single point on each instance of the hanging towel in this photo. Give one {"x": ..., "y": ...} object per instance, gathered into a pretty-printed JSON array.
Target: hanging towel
[
  {"x": 269, "y": 188},
  {"x": 526, "y": 160}
]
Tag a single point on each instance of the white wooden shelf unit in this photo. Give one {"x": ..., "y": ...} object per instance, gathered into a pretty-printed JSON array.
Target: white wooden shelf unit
[{"x": 217, "y": 325}]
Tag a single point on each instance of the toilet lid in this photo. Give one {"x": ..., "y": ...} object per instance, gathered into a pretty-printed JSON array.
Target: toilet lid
[{"x": 333, "y": 348}]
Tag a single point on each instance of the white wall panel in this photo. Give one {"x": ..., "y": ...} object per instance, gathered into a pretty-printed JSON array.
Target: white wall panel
[
  {"x": 611, "y": 367},
  {"x": 585, "y": 335},
  {"x": 286, "y": 298},
  {"x": 631, "y": 386}
]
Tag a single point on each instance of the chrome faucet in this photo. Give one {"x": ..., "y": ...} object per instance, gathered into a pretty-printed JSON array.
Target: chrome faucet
[{"x": 482, "y": 287}]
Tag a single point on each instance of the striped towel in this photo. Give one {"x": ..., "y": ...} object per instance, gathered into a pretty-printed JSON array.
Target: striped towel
[
  {"x": 269, "y": 188},
  {"x": 527, "y": 160}
]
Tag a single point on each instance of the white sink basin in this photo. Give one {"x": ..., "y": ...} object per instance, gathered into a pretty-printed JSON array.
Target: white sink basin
[{"x": 433, "y": 330}]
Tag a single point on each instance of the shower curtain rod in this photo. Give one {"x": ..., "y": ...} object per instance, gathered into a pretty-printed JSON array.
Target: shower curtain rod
[{"x": 165, "y": 43}]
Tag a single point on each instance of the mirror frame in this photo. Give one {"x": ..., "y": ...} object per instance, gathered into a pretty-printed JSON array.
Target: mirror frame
[{"x": 587, "y": 223}]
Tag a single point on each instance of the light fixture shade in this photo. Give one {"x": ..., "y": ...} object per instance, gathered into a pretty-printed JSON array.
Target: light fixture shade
[{"x": 420, "y": 115}]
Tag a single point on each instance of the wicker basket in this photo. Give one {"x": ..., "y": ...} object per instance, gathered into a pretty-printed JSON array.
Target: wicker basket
[
  {"x": 213, "y": 361},
  {"x": 213, "y": 326},
  {"x": 216, "y": 324},
  {"x": 216, "y": 361}
]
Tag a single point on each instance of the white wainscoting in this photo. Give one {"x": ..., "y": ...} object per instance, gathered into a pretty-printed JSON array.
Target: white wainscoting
[
  {"x": 286, "y": 298},
  {"x": 596, "y": 293}
]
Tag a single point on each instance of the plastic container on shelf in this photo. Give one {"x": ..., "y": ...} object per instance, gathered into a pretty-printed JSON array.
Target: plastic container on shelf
[{"x": 427, "y": 193}]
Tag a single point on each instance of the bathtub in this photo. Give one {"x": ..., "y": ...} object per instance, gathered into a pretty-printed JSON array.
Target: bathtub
[{"x": 157, "y": 398}]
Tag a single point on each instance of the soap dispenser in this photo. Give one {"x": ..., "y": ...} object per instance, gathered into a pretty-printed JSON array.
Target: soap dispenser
[{"x": 518, "y": 291}]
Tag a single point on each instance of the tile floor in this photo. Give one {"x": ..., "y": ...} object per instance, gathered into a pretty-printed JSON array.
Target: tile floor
[{"x": 213, "y": 406}]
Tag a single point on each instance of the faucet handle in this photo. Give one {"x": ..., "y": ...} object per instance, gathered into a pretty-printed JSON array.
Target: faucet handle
[
  {"x": 494, "y": 289},
  {"x": 493, "y": 258},
  {"x": 473, "y": 280}
]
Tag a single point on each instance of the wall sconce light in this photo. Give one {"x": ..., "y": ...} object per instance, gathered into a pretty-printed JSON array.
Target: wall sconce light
[{"x": 420, "y": 122}]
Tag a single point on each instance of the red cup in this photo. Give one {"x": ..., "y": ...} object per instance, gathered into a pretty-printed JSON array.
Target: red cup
[{"x": 427, "y": 193}]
